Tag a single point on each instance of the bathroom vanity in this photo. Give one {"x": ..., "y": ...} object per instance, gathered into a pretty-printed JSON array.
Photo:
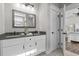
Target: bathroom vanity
[{"x": 22, "y": 45}]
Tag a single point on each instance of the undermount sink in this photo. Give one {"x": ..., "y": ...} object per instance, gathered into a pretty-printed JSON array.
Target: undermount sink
[
  {"x": 13, "y": 36},
  {"x": 20, "y": 34}
]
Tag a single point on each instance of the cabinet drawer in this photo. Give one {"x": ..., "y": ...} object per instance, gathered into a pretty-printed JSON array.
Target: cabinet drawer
[
  {"x": 41, "y": 37},
  {"x": 29, "y": 43},
  {"x": 29, "y": 40},
  {"x": 10, "y": 42},
  {"x": 30, "y": 46},
  {"x": 13, "y": 50}
]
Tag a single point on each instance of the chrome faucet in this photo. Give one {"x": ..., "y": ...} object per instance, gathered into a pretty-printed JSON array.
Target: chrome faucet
[{"x": 25, "y": 29}]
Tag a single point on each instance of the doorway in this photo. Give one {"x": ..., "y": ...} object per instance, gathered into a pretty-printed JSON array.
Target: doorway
[{"x": 54, "y": 29}]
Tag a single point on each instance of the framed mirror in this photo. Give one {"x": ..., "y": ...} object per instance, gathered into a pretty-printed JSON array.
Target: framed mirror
[{"x": 22, "y": 19}]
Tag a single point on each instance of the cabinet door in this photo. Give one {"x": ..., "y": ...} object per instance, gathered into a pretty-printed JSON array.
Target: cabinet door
[
  {"x": 29, "y": 44},
  {"x": 40, "y": 43},
  {"x": 13, "y": 50},
  {"x": 30, "y": 47}
]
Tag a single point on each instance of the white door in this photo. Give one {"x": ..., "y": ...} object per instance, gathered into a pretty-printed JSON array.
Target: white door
[{"x": 54, "y": 26}]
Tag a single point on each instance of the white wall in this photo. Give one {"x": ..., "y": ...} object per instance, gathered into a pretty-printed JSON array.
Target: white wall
[
  {"x": 43, "y": 16},
  {"x": 1, "y": 18},
  {"x": 44, "y": 21},
  {"x": 8, "y": 17}
]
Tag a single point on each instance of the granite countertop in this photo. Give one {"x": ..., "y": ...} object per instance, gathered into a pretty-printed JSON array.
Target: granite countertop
[
  {"x": 12, "y": 35},
  {"x": 72, "y": 46}
]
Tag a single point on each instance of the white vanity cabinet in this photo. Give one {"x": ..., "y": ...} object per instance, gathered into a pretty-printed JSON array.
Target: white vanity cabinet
[
  {"x": 23, "y": 46},
  {"x": 40, "y": 43},
  {"x": 35, "y": 44},
  {"x": 11, "y": 47}
]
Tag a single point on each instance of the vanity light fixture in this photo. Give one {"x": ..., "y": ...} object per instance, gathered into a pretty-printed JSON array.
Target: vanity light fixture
[
  {"x": 29, "y": 6},
  {"x": 25, "y": 5}
]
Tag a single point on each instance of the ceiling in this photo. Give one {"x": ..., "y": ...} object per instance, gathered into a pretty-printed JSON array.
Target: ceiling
[{"x": 61, "y": 5}]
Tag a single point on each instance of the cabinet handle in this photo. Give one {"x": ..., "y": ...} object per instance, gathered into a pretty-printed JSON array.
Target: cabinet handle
[{"x": 35, "y": 43}]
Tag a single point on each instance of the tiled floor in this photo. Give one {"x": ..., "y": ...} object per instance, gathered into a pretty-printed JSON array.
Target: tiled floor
[
  {"x": 72, "y": 46},
  {"x": 57, "y": 52}
]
